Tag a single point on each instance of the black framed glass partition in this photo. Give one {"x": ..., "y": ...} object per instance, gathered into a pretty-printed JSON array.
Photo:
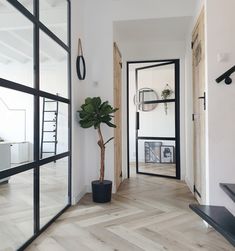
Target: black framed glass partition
[
  {"x": 153, "y": 121},
  {"x": 35, "y": 88}
]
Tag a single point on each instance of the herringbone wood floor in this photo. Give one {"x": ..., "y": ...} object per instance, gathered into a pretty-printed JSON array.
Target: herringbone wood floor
[{"x": 147, "y": 213}]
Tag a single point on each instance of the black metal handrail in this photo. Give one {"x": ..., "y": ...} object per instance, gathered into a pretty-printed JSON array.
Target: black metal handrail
[{"x": 226, "y": 76}]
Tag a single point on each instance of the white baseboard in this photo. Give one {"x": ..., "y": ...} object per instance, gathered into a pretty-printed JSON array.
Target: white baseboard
[
  {"x": 76, "y": 199},
  {"x": 190, "y": 186}
]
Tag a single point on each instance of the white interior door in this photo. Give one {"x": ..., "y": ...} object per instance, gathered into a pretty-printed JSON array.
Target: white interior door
[{"x": 199, "y": 104}]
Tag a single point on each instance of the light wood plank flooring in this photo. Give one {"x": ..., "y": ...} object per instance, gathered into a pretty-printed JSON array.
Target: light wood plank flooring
[
  {"x": 16, "y": 203},
  {"x": 154, "y": 168},
  {"x": 148, "y": 213}
]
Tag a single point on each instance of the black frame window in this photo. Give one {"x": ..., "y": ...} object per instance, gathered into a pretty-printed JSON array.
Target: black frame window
[{"x": 37, "y": 94}]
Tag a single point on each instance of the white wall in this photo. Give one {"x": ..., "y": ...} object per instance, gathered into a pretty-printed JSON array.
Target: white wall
[
  {"x": 78, "y": 90},
  {"x": 98, "y": 49},
  {"x": 147, "y": 9},
  {"x": 221, "y": 102}
]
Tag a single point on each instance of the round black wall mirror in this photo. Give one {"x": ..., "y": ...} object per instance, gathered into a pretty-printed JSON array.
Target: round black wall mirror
[
  {"x": 80, "y": 62},
  {"x": 81, "y": 67}
]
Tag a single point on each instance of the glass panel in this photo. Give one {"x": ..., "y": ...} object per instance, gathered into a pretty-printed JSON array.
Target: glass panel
[
  {"x": 28, "y": 4},
  {"x": 16, "y": 46},
  {"x": 54, "y": 14},
  {"x": 16, "y": 210},
  {"x": 158, "y": 123},
  {"x": 53, "y": 67},
  {"x": 159, "y": 79},
  {"x": 54, "y": 127},
  {"x": 157, "y": 157},
  {"x": 53, "y": 189},
  {"x": 16, "y": 129}
]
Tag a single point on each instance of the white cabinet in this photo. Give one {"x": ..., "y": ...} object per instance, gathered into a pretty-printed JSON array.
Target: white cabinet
[
  {"x": 19, "y": 152},
  {"x": 5, "y": 157}
]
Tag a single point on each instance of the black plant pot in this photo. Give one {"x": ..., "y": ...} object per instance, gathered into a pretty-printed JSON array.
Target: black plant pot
[{"x": 101, "y": 191}]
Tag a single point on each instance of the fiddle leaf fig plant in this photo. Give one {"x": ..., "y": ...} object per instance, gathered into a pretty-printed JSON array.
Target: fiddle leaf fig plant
[{"x": 93, "y": 113}]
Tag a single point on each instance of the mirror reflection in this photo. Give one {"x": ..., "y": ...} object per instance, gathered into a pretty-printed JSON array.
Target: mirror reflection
[{"x": 146, "y": 95}]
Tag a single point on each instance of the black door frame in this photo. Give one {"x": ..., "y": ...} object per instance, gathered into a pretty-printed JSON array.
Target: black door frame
[
  {"x": 176, "y": 62},
  {"x": 37, "y": 94}
]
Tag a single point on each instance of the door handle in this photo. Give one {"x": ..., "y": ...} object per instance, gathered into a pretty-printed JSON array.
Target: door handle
[
  {"x": 195, "y": 116},
  {"x": 137, "y": 120},
  {"x": 204, "y": 100}
]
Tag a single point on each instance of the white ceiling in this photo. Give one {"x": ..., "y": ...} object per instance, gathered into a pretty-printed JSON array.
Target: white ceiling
[{"x": 152, "y": 30}]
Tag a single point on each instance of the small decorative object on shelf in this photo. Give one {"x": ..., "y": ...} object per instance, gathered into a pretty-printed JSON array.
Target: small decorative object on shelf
[{"x": 166, "y": 93}]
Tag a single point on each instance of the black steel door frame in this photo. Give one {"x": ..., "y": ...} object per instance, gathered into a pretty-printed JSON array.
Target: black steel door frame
[
  {"x": 37, "y": 94},
  {"x": 176, "y": 63}
]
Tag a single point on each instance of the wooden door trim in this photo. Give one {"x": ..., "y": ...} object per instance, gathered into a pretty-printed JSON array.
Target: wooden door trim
[{"x": 118, "y": 116}]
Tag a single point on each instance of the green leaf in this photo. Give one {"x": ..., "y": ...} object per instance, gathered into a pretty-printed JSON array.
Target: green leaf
[
  {"x": 82, "y": 114},
  {"x": 86, "y": 124},
  {"x": 110, "y": 124},
  {"x": 96, "y": 102},
  {"x": 88, "y": 100},
  {"x": 89, "y": 108},
  {"x": 106, "y": 118}
]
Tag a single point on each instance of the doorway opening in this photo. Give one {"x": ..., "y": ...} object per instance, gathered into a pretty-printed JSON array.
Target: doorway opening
[{"x": 153, "y": 107}]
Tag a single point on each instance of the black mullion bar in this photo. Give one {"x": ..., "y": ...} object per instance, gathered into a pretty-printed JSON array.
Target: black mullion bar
[
  {"x": 158, "y": 175},
  {"x": 23, "y": 10},
  {"x": 17, "y": 87},
  {"x": 177, "y": 116},
  {"x": 15, "y": 170},
  {"x": 70, "y": 108},
  {"x": 137, "y": 126},
  {"x": 53, "y": 36},
  {"x": 25, "y": 167},
  {"x": 128, "y": 121},
  {"x": 149, "y": 61},
  {"x": 159, "y": 101},
  {"x": 53, "y": 158},
  {"x": 42, "y": 133},
  {"x": 53, "y": 96},
  {"x": 157, "y": 138},
  {"x": 137, "y": 151},
  {"x": 29, "y": 90},
  {"x": 36, "y": 122},
  {"x": 153, "y": 66}
]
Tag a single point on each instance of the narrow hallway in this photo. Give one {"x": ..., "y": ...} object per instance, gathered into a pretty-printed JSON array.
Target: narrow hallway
[{"x": 147, "y": 213}]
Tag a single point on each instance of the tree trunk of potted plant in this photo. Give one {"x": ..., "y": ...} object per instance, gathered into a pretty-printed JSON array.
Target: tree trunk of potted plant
[{"x": 101, "y": 189}]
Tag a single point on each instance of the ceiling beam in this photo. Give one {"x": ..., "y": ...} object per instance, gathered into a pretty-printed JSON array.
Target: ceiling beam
[
  {"x": 16, "y": 21},
  {"x": 11, "y": 51}
]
